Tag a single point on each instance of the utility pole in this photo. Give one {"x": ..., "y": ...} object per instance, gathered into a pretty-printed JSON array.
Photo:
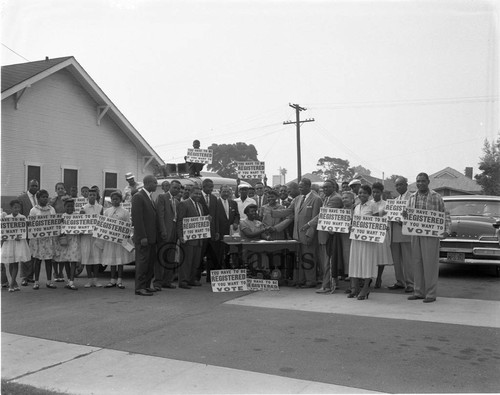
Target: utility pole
[{"x": 298, "y": 122}]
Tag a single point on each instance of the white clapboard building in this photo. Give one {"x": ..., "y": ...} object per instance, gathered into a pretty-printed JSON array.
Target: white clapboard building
[{"x": 58, "y": 125}]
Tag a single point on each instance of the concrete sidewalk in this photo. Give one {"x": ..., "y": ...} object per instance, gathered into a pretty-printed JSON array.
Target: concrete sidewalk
[
  {"x": 78, "y": 369},
  {"x": 472, "y": 312}
]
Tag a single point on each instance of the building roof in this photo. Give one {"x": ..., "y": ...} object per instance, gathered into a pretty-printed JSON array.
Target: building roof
[
  {"x": 312, "y": 177},
  {"x": 17, "y": 77},
  {"x": 370, "y": 180},
  {"x": 449, "y": 178}
]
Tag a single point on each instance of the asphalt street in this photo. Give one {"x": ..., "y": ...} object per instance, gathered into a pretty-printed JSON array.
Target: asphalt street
[{"x": 279, "y": 334}]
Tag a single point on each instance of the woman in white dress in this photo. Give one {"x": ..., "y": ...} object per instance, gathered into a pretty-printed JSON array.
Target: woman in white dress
[
  {"x": 114, "y": 254},
  {"x": 14, "y": 251},
  {"x": 363, "y": 254},
  {"x": 42, "y": 249},
  {"x": 91, "y": 254}
]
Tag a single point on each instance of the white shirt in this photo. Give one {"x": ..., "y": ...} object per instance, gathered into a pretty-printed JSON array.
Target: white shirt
[{"x": 242, "y": 205}]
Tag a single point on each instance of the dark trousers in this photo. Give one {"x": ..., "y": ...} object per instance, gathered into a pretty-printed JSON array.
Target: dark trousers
[
  {"x": 190, "y": 265},
  {"x": 165, "y": 264},
  {"x": 209, "y": 249},
  {"x": 27, "y": 271},
  {"x": 145, "y": 258}
]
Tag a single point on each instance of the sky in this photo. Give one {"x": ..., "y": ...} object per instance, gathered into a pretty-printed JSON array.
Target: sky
[{"x": 399, "y": 87}]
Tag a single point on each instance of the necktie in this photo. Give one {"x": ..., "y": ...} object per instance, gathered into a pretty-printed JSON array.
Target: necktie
[
  {"x": 226, "y": 208},
  {"x": 207, "y": 198},
  {"x": 198, "y": 208},
  {"x": 302, "y": 201},
  {"x": 172, "y": 201},
  {"x": 260, "y": 201},
  {"x": 152, "y": 200}
]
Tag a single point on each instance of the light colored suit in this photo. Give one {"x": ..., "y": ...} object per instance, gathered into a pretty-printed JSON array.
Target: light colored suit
[
  {"x": 327, "y": 243},
  {"x": 401, "y": 251}
]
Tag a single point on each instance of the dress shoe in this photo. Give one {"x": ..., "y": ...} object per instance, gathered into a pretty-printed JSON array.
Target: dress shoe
[
  {"x": 184, "y": 286},
  {"x": 151, "y": 290},
  {"x": 395, "y": 286},
  {"x": 415, "y": 297},
  {"x": 323, "y": 291},
  {"x": 170, "y": 286},
  {"x": 157, "y": 289},
  {"x": 143, "y": 292},
  {"x": 429, "y": 300},
  {"x": 195, "y": 284},
  {"x": 409, "y": 290},
  {"x": 24, "y": 283}
]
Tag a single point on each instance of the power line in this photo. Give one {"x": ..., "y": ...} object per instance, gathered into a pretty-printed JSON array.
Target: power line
[
  {"x": 10, "y": 49},
  {"x": 398, "y": 103}
]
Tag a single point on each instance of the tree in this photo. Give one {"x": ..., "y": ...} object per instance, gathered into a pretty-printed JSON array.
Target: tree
[
  {"x": 335, "y": 168},
  {"x": 489, "y": 164},
  {"x": 394, "y": 177},
  {"x": 225, "y": 157},
  {"x": 283, "y": 172},
  {"x": 361, "y": 170}
]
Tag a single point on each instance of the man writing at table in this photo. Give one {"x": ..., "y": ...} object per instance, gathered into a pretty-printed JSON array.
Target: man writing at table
[{"x": 228, "y": 217}]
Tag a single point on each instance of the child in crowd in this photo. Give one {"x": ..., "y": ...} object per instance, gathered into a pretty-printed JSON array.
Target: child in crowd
[
  {"x": 91, "y": 254},
  {"x": 67, "y": 251},
  {"x": 115, "y": 254},
  {"x": 58, "y": 203},
  {"x": 42, "y": 248},
  {"x": 85, "y": 192},
  {"x": 15, "y": 251}
]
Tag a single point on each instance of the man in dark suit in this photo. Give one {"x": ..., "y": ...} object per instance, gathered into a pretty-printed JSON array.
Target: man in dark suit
[
  {"x": 166, "y": 206},
  {"x": 145, "y": 221},
  {"x": 227, "y": 216},
  {"x": 28, "y": 201},
  {"x": 192, "y": 248},
  {"x": 210, "y": 246}
]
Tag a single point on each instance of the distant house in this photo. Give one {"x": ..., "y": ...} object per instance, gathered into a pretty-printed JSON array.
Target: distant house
[
  {"x": 58, "y": 125},
  {"x": 450, "y": 182}
]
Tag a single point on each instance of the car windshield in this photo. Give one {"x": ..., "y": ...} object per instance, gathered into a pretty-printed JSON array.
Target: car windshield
[{"x": 482, "y": 208}]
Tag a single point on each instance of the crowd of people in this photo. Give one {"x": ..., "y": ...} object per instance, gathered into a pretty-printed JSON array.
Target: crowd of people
[{"x": 164, "y": 256}]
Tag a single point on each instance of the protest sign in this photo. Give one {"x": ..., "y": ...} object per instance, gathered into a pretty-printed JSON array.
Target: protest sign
[
  {"x": 14, "y": 228},
  {"x": 229, "y": 280},
  {"x": 251, "y": 170},
  {"x": 368, "y": 228},
  {"x": 394, "y": 208},
  {"x": 423, "y": 223},
  {"x": 334, "y": 219},
  {"x": 196, "y": 228},
  {"x": 198, "y": 155},
  {"x": 78, "y": 224},
  {"x": 79, "y": 203},
  {"x": 257, "y": 284},
  {"x": 111, "y": 229},
  {"x": 44, "y": 226}
]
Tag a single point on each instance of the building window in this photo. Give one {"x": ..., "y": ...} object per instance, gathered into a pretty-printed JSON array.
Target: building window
[
  {"x": 110, "y": 180},
  {"x": 33, "y": 173},
  {"x": 70, "y": 178}
]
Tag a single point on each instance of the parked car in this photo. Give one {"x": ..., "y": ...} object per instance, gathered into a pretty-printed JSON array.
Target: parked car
[{"x": 474, "y": 234}]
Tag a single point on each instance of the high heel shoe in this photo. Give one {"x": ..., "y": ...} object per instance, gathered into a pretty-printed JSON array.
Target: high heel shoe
[
  {"x": 363, "y": 297},
  {"x": 353, "y": 294}
]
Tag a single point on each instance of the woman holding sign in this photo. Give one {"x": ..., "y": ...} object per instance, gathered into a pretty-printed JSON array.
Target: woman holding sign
[
  {"x": 114, "y": 254},
  {"x": 91, "y": 254},
  {"x": 15, "y": 251},
  {"x": 384, "y": 249},
  {"x": 58, "y": 203},
  {"x": 67, "y": 247},
  {"x": 42, "y": 248},
  {"x": 363, "y": 255}
]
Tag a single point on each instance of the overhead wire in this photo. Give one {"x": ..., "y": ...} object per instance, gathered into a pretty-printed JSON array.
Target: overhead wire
[{"x": 11, "y": 50}]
